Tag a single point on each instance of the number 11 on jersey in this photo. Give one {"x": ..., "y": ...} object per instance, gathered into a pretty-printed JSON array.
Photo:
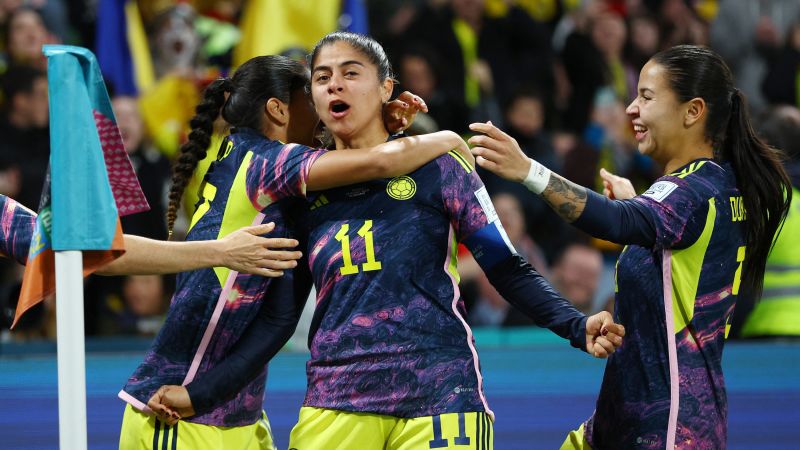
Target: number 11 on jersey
[{"x": 365, "y": 232}]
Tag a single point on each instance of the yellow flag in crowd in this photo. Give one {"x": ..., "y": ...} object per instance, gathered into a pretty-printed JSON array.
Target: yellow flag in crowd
[{"x": 271, "y": 26}]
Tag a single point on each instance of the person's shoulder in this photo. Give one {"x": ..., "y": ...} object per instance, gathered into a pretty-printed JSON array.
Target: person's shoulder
[
  {"x": 454, "y": 161},
  {"x": 701, "y": 179}
]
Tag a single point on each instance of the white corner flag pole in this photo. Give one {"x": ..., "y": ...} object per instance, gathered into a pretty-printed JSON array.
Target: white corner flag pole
[{"x": 71, "y": 351}]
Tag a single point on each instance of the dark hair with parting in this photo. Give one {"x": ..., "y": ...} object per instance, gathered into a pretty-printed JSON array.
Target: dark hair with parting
[
  {"x": 254, "y": 82},
  {"x": 364, "y": 44},
  {"x": 698, "y": 72}
]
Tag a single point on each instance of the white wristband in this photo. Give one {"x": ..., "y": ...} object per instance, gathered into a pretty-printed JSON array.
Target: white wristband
[{"x": 538, "y": 177}]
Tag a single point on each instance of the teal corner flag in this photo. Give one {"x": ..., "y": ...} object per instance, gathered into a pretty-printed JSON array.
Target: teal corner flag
[{"x": 92, "y": 179}]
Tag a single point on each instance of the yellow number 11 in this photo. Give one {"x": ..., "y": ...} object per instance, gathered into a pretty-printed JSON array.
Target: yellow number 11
[{"x": 366, "y": 232}]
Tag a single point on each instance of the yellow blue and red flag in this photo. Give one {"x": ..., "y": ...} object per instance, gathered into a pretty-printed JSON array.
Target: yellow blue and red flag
[
  {"x": 122, "y": 49},
  {"x": 91, "y": 183}
]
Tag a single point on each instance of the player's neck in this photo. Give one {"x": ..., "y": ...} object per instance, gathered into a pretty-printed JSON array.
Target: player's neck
[
  {"x": 696, "y": 150},
  {"x": 275, "y": 133},
  {"x": 374, "y": 134}
]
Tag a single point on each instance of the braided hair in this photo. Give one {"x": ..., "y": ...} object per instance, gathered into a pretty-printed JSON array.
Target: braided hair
[{"x": 240, "y": 100}]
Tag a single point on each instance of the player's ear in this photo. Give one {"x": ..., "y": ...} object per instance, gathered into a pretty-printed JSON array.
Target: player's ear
[
  {"x": 387, "y": 86},
  {"x": 277, "y": 111}
]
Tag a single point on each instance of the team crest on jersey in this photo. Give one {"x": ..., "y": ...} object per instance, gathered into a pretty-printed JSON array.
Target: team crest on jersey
[{"x": 401, "y": 188}]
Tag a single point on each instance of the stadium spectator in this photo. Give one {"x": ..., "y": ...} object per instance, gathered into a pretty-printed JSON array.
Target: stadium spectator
[
  {"x": 777, "y": 312},
  {"x": 576, "y": 275},
  {"x": 25, "y": 145}
]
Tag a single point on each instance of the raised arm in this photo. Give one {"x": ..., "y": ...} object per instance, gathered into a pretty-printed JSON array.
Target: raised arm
[
  {"x": 620, "y": 221},
  {"x": 390, "y": 159},
  {"x": 243, "y": 251}
]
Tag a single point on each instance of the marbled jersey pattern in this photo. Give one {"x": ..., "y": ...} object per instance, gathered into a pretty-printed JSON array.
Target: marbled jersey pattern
[
  {"x": 634, "y": 403},
  {"x": 387, "y": 335},
  {"x": 233, "y": 194}
]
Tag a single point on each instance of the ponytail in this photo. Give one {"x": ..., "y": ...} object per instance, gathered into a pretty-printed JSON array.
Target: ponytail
[
  {"x": 195, "y": 149},
  {"x": 765, "y": 187},
  {"x": 694, "y": 71}
]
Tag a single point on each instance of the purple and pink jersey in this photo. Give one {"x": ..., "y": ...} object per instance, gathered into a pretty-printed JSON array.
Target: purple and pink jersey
[
  {"x": 16, "y": 229},
  {"x": 389, "y": 334},
  {"x": 251, "y": 182},
  {"x": 663, "y": 388}
]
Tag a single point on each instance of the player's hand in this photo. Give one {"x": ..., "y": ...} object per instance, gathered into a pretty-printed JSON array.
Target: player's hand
[
  {"x": 245, "y": 251},
  {"x": 171, "y": 403},
  {"x": 616, "y": 187},
  {"x": 498, "y": 152},
  {"x": 399, "y": 113},
  {"x": 603, "y": 336}
]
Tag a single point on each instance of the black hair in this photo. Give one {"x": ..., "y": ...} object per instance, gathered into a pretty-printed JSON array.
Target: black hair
[
  {"x": 698, "y": 72},
  {"x": 364, "y": 44},
  {"x": 254, "y": 82},
  {"x": 19, "y": 79}
]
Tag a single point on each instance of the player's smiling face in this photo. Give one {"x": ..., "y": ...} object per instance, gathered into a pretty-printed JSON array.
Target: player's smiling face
[
  {"x": 656, "y": 114},
  {"x": 346, "y": 90}
]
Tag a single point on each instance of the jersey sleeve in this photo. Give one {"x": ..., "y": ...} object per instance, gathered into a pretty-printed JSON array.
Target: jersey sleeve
[
  {"x": 17, "y": 224},
  {"x": 279, "y": 175},
  {"x": 678, "y": 210},
  {"x": 476, "y": 224},
  {"x": 472, "y": 214}
]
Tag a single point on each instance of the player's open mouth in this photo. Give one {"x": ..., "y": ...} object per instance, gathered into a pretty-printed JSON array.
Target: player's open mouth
[
  {"x": 640, "y": 131},
  {"x": 338, "y": 109}
]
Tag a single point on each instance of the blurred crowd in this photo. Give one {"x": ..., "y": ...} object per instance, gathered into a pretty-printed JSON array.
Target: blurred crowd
[{"x": 557, "y": 75}]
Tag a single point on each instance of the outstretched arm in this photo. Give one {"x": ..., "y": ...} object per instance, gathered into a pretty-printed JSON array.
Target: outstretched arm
[
  {"x": 243, "y": 251},
  {"x": 477, "y": 225},
  {"x": 624, "y": 222},
  {"x": 390, "y": 159},
  {"x": 522, "y": 286}
]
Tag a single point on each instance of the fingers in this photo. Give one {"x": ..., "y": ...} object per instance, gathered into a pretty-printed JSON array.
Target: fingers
[
  {"x": 283, "y": 256},
  {"x": 269, "y": 273},
  {"x": 282, "y": 243},
  {"x": 608, "y": 176},
  {"x": 481, "y": 140},
  {"x": 612, "y": 328},
  {"x": 603, "y": 347},
  {"x": 486, "y": 164},
  {"x": 421, "y": 104},
  {"x": 264, "y": 228},
  {"x": 487, "y": 154},
  {"x": 489, "y": 130},
  {"x": 410, "y": 99}
]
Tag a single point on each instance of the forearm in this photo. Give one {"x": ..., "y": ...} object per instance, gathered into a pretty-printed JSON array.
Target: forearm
[
  {"x": 264, "y": 337},
  {"x": 148, "y": 256},
  {"x": 407, "y": 154},
  {"x": 566, "y": 198},
  {"x": 389, "y": 159},
  {"x": 522, "y": 286},
  {"x": 620, "y": 221}
]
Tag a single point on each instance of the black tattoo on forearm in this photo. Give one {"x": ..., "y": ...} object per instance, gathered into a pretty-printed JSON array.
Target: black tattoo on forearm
[{"x": 565, "y": 197}]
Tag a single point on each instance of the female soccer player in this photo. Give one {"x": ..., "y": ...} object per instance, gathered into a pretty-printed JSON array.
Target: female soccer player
[
  {"x": 694, "y": 238},
  {"x": 393, "y": 363},
  {"x": 254, "y": 180}
]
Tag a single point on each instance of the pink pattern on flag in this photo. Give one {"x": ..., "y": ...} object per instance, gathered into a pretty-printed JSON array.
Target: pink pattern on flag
[{"x": 124, "y": 183}]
